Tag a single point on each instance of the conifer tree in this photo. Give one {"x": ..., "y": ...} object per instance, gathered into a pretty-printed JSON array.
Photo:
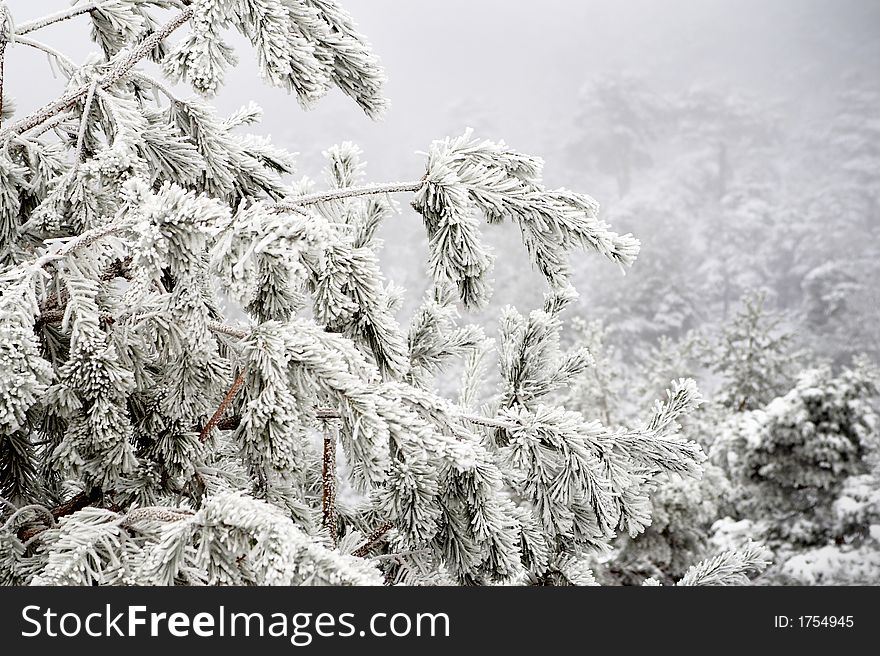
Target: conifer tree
[
  {"x": 800, "y": 448},
  {"x": 756, "y": 355},
  {"x": 804, "y": 468},
  {"x": 147, "y": 436}
]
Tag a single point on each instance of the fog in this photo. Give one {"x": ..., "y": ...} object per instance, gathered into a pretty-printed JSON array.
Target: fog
[{"x": 517, "y": 69}]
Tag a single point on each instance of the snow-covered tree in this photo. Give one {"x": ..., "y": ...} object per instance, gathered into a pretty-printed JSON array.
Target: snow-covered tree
[
  {"x": 804, "y": 470},
  {"x": 793, "y": 456},
  {"x": 661, "y": 297},
  {"x": 619, "y": 119},
  {"x": 202, "y": 376},
  {"x": 755, "y": 356},
  {"x": 599, "y": 390}
]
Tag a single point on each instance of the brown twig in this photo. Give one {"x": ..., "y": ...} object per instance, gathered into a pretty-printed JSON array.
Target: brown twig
[
  {"x": 72, "y": 505},
  {"x": 373, "y": 539},
  {"x": 328, "y": 485},
  {"x": 230, "y": 423},
  {"x": 224, "y": 405}
]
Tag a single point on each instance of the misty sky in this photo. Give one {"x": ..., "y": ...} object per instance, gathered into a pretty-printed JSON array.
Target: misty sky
[{"x": 514, "y": 69}]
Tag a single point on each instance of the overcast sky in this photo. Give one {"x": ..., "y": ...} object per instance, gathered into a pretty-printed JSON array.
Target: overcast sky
[{"x": 514, "y": 69}]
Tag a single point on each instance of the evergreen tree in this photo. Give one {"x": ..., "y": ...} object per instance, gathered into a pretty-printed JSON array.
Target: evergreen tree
[
  {"x": 755, "y": 356},
  {"x": 620, "y": 118},
  {"x": 794, "y": 455},
  {"x": 804, "y": 470}
]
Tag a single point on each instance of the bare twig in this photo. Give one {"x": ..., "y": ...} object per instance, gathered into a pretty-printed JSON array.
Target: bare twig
[
  {"x": 373, "y": 539},
  {"x": 328, "y": 484},
  {"x": 224, "y": 405},
  {"x": 76, "y": 502},
  {"x": 230, "y": 423},
  {"x": 63, "y": 15},
  {"x": 295, "y": 204},
  {"x": 121, "y": 65}
]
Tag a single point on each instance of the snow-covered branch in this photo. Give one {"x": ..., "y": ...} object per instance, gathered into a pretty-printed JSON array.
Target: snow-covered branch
[
  {"x": 295, "y": 204},
  {"x": 118, "y": 68}
]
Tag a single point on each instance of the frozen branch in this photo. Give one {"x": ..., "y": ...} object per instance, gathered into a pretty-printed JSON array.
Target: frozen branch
[
  {"x": 155, "y": 514},
  {"x": 72, "y": 505},
  {"x": 224, "y": 405},
  {"x": 41, "y": 129},
  {"x": 143, "y": 77},
  {"x": 328, "y": 484},
  {"x": 119, "y": 69},
  {"x": 57, "y": 17},
  {"x": 49, "y": 50},
  {"x": 85, "y": 239},
  {"x": 294, "y": 204},
  {"x": 223, "y": 329},
  {"x": 80, "y": 139}
]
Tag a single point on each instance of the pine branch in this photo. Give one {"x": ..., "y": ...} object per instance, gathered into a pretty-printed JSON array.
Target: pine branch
[
  {"x": 373, "y": 539},
  {"x": 224, "y": 405},
  {"x": 329, "y": 413},
  {"x": 231, "y": 423},
  {"x": 728, "y": 568},
  {"x": 50, "y": 312},
  {"x": 223, "y": 329},
  {"x": 56, "y": 314},
  {"x": 155, "y": 514},
  {"x": 487, "y": 421},
  {"x": 295, "y": 204},
  {"x": 119, "y": 70},
  {"x": 83, "y": 240},
  {"x": 143, "y": 77},
  {"x": 38, "y": 130},
  {"x": 328, "y": 484}
]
